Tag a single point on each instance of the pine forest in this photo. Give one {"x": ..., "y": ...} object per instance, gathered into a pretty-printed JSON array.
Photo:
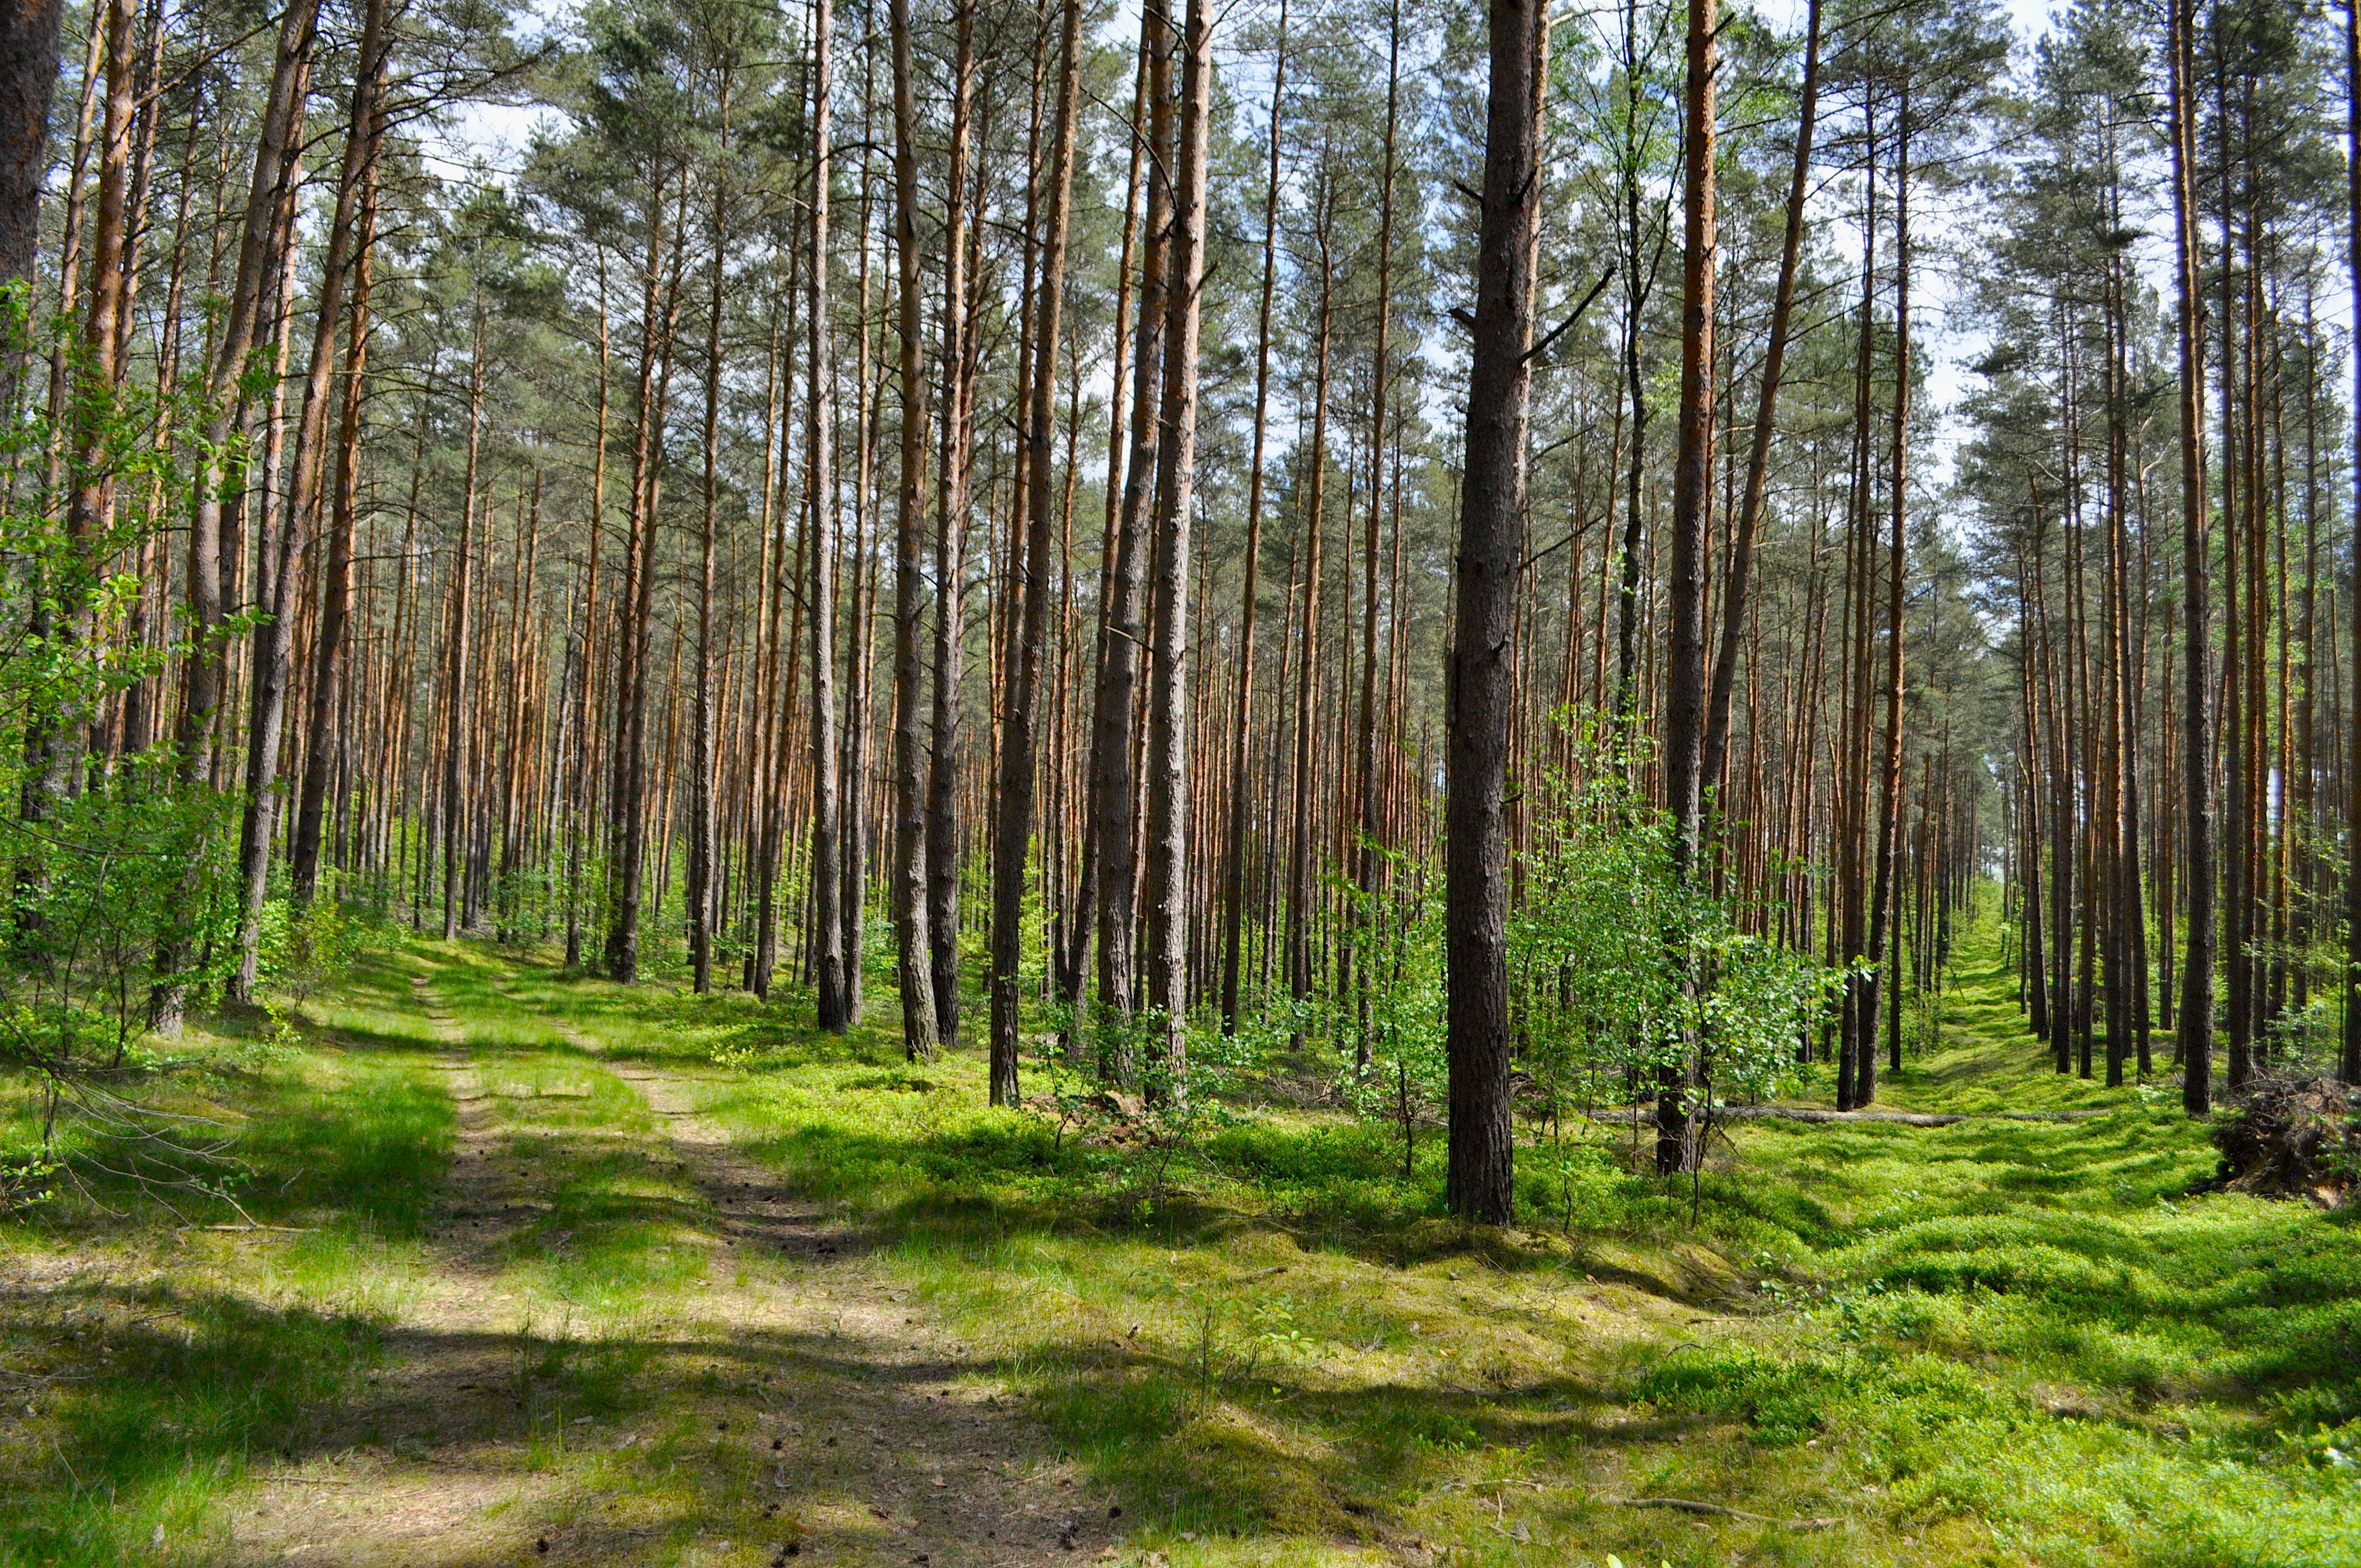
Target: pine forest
[{"x": 1208, "y": 784}]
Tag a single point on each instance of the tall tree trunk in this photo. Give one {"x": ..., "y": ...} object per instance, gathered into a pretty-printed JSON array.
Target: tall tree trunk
[
  {"x": 1234, "y": 854},
  {"x": 1113, "y": 793},
  {"x": 2234, "y": 800},
  {"x": 787, "y": 587},
  {"x": 702, "y": 823},
  {"x": 832, "y": 989},
  {"x": 943, "y": 848},
  {"x": 852, "y": 758},
  {"x": 2349, "y": 1063},
  {"x": 1686, "y": 682},
  {"x": 1369, "y": 853},
  {"x": 1082, "y": 919},
  {"x": 1850, "y": 903},
  {"x": 1889, "y": 795},
  {"x": 1735, "y": 595},
  {"x": 580, "y": 790},
  {"x": 919, "y": 1035},
  {"x": 1303, "y": 850},
  {"x": 1168, "y": 702},
  {"x": 328, "y": 655},
  {"x": 636, "y": 618},
  {"x": 335, "y": 606},
  {"x": 274, "y": 640},
  {"x": 457, "y": 819},
  {"x": 1481, "y": 1183},
  {"x": 204, "y": 674},
  {"x": 1013, "y": 830}
]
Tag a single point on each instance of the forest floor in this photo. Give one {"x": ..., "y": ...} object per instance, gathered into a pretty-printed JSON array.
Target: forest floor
[{"x": 532, "y": 1269}]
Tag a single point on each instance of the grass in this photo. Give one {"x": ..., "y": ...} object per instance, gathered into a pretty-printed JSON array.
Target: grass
[{"x": 519, "y": 1300}]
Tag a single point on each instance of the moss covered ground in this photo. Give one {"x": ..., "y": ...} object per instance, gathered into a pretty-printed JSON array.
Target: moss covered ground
[{"x": 530, "y": 1268}]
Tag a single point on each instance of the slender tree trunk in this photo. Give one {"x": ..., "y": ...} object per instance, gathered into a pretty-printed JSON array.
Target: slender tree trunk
[
  {"x": 1113, "y": 793},
  {"x": 457, "y": 819},
  {"x": 853, "y": 894},
  {"x": 943, "y": 848},
  {"x": 832, "y": 988},
  {"x": 1889, "y": 814},
  {"x": 1685, "y": 716},
  {"x": 2349, "y": 1061},
  {"x": 581, "y": 789},
  {"x": 1234, "y": 855},
  {"x": 204, "y": 674},
  {"x": 2234, "y": 800},
  {"x": 1368, "y": 850},
  {"x": 702, "y": 824},
  {"x": 1735, "y": 597},
  {"x": 1481, "y": 1182},
  {"x": 1850, "y": 903},
  {"x": 274, "y": 640},
  {"x": 1167, "y": 705},
  {"x": 911, "y": 944},
  {"x": 1302, "y": 852},
  {"x": 1013, "y": 831},
  {"x": 335, "y": 606},
  {"x": 635, "y": 623},
  {"x": 1082, "y": 919}
]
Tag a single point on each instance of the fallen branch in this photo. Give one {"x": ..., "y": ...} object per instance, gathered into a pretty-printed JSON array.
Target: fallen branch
[
  {"x": 1896, "y": 1118},
  {"x": 1233, "y": 1280},
  {"x": 1689, "y": 1505}
]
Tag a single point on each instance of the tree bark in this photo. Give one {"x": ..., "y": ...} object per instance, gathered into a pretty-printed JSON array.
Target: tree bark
[
  {"x": 703, "y": 760},
  {"x": 1081, "y": 930},
  {"x": 1889, "y": 814},
  {"x": 831, "y": 988},
  {"x": 2349, "y": 1063},
  {"x": 29, "y": 76},
  {"x": 457, "y": 819},
  {"x": 1168, "y": 703},
  {"x": 912, "y": 947},
  {"x": 1234, "y": 855},
  {"x": 1013, "y": 831},
  {"x": 636, "y": 617},
  {"x": 1113, "y": 789},
  {"x": 581, "y": 791},
  {"x": 943, "y": 848},
  {"x": 1369, "y": 856},
  {"x": 1686, "y": 683},
  {"x": 1482, "y": 1175}
]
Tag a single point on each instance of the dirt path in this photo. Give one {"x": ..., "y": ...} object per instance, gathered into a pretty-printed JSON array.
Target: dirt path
[{"x": 792, "y": 1401}]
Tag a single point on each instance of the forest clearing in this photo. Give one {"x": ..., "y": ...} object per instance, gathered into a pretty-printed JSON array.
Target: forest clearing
[{"x": 655, "y": 1278}]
